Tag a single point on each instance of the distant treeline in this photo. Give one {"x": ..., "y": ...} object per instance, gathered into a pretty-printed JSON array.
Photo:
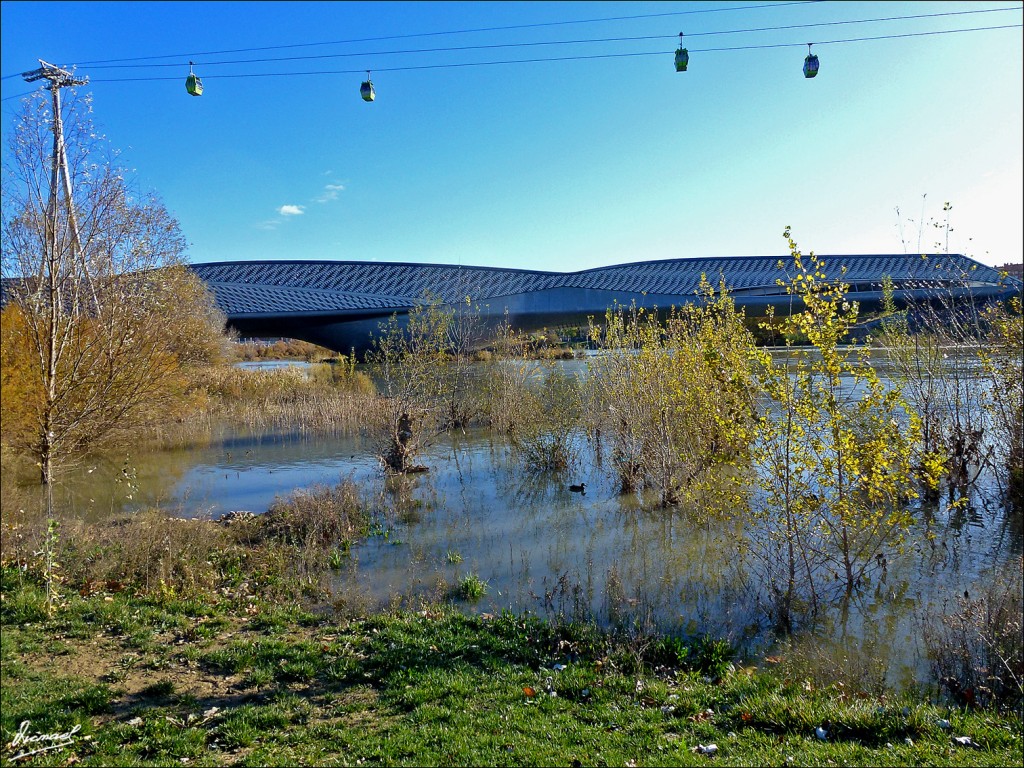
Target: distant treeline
[{"x": 281, "y": 349}]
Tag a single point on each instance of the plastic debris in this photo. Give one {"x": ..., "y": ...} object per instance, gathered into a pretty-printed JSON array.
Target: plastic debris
[
  {"x": 821, "y": 733},
  {"x": 558, "y": 667},
  {"x": 965, "y": 741},
  {"x": 944, "y": 724},
  {"x": 706, "y": 749}
]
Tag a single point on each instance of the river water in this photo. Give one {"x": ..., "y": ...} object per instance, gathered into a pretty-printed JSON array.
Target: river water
[{"x": 542, "y": 548}]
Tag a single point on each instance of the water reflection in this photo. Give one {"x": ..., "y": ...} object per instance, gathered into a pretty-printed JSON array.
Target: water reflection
[{"x": 544, "y": 549}]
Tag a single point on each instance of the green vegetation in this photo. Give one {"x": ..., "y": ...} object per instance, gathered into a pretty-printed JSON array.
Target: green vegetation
[
  {"x": 452, "y": 557},
  {"x": 150, "y": 681},
  {"x": 471, "y": 587},
  {"x": 835, "y": 468},
  {"x": 675, "y": 396}
]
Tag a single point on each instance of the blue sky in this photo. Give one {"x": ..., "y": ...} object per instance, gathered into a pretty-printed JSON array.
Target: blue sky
[{"x": 559, "y": 165}]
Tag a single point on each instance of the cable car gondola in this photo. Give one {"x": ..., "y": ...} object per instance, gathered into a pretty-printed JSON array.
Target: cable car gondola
[
  {"x": 366, "y": 89},
  {"x": 192, "y": 83},
  {"x": 682, "y": 56},
  {"x": 810, "y": 63}
]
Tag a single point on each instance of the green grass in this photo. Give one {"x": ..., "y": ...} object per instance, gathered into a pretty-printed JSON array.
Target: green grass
[
  {"x": 452, "y": 557},
  {"x": 471, "y": 587},
  {"x": 272, "y": 685}
]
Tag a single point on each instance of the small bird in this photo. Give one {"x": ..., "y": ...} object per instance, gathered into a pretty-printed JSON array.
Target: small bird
[{"x": 581, "y": 488}]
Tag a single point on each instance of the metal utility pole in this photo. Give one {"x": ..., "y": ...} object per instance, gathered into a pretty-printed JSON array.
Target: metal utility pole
[
  {"x": 48, "y": 284},
  {"x": 58, "y": 78}
]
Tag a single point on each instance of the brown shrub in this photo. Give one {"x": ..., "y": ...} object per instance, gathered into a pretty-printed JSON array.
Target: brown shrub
[{"x": 975, "y": 647}]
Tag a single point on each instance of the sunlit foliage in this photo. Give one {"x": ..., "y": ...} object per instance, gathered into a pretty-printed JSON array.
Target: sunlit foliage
[
  {"x": 832, "y": 454},
  {"x": 675, "y": 397}
]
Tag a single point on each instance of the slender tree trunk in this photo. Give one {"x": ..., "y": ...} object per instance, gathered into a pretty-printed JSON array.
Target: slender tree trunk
[{"x": 53, "y": 299}]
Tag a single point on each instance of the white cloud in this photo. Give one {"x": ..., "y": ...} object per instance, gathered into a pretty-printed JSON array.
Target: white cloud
[
  {"x": 291, "y": 210},
  {"x": 268, "y": 224},
  {"x": 330, "y": 193}
]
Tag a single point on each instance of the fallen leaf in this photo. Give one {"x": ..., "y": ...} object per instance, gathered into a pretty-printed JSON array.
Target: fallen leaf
[{"x": 530, "y": 692}]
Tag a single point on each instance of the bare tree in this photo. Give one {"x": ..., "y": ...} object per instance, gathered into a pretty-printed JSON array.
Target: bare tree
[
  {"x": 100, "y": 312},
  {"x": 410, "y": 360}
]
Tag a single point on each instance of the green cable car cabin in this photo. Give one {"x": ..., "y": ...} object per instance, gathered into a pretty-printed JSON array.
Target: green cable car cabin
[
  {"x": 366, "y": 89},
  {"x": 810, "y": 63},
  {"x": 192, "y": 83},
  {"x": 682, "y": 56}
]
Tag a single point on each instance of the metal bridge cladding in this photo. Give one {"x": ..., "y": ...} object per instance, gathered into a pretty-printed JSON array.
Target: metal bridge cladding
[{"x": 341, "y": 304}]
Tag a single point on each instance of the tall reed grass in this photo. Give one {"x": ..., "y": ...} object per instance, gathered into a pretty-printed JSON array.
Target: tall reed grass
[{"x": 322, "y": 400}]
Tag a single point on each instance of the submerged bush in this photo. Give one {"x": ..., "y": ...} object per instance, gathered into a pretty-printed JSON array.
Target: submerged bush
[
  {"x": 834, "y": 467},
  {"x": 975, "y": 646},
  {"x": 320, "y": 516},
  {"x": 674, "y": 398},
  {"x": 1002, "y": 361},
  {"x": 550, "y": 415}
]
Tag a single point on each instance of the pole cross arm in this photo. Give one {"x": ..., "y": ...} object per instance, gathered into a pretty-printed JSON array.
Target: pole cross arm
[{"x": 58, "y": 77}]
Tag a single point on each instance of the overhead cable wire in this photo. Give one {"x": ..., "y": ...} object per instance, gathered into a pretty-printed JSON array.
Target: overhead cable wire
[
  {"x": 561, "y": 58},
  {"x": 459, "y": 49},
  {"x": 457, "y": 32},
  {"x": 17, "y": 96}
]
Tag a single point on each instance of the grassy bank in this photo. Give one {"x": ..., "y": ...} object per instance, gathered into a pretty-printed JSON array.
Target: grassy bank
[{"x": 236, "y": 679}]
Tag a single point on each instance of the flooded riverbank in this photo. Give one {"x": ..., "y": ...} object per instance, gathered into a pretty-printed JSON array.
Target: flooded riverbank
[
  {"x": 540, "y": 547},
  {"x": 534, "y": 545}
]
